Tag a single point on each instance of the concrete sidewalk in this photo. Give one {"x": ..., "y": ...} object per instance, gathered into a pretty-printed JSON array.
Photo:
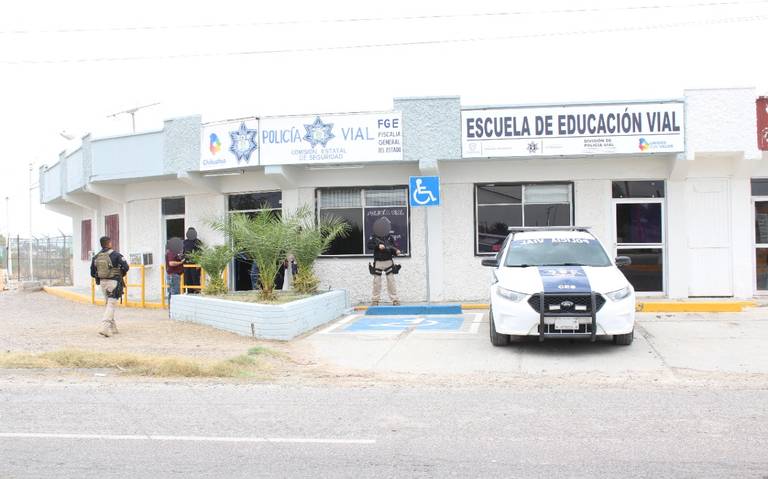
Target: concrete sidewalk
[{"x": 713, "y": 343}]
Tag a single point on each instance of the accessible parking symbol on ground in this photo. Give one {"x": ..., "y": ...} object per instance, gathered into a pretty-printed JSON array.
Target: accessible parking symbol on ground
[{"x": 454, "y": 323}]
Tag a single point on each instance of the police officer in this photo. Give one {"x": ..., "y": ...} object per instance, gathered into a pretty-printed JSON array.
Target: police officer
[
  {"x": 109, "y": 268},
  {"x": 384, "y": 250}
]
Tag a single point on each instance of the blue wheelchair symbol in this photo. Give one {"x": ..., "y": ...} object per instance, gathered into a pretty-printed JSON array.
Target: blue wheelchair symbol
[{"x": 424, "y": 191}]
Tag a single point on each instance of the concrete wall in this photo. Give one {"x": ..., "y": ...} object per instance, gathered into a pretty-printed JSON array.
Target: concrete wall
[
  {"x": 280, "y": 322},
  {"x": 132, "y": 156}
]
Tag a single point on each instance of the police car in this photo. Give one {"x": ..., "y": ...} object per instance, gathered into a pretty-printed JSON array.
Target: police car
[{"x": 558, "y": 282}]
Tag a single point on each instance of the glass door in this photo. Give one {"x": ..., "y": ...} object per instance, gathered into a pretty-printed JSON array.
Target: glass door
[
  {"x": 639, "y": 229},
  {"x": 760, "y": 210}
]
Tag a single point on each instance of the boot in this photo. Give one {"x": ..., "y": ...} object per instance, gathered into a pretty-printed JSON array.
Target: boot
[
  {"x": 113, "y": 328},
  {"x": 395, "y": 303},
  {"x": 374, "y": 303}
]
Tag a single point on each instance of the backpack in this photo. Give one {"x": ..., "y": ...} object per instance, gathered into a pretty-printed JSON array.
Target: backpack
[{"x": 104, "y": 267}]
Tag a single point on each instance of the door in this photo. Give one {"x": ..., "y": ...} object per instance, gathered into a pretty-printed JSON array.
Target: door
[
  {"x": 174, "y": 227},
  {"x": 639, "y": 229},
  {"x": 708, "y": 218},
  {"x": 760, "y": 220},
  {"x": 112, "y": 229}
]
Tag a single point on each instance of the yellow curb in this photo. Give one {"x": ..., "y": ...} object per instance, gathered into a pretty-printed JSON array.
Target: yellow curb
[
  {"x": 693, "y": 307},
  {"x": 86, "y": 299}
]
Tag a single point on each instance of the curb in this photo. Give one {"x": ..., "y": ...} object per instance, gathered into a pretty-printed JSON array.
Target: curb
[
  {"x": 655, "y": 306},
  {"x": 86, "y": 299}
]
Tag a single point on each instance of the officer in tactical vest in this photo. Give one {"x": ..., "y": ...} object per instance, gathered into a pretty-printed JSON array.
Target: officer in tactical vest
[
  {"x": 384, "y": 250},
  {"x": 109, "y": 268}
]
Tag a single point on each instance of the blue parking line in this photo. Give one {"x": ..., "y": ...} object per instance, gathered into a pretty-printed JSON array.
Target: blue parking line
[{"x": 401, "y": 323}]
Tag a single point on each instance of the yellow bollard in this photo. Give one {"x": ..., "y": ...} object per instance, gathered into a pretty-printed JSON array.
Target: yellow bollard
[{"x": 162, "y": 285}]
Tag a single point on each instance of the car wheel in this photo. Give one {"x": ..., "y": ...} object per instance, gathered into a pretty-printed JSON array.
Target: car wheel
[
  {"x": 624, "y": 339},
  {"x": 496, "y": 338}
]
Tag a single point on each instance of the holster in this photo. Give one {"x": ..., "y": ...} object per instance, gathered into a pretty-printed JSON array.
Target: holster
[{"x": 394, "y": 269}]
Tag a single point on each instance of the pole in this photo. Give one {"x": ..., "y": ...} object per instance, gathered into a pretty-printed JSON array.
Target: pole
[
  {"x": 8, "y": 235},
  {"x": 31, "y": 266},
  {"x": 426, "y": 252},
  {"x": 18, "y": 258}
]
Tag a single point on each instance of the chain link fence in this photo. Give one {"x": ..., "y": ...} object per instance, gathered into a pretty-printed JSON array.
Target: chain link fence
[{"x": 51, "y": 259}]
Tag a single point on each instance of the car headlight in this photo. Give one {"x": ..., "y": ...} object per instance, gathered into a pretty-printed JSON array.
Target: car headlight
[
  {"x": 509, "y": 294},
  {"x": 619, "y": 294}
]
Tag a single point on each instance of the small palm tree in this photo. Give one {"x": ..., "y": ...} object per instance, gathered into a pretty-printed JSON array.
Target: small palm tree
[
  {"x": 213, "y": 260},
  {"x": 312, "y": 238},
  {"x": 265, "y": 237}
]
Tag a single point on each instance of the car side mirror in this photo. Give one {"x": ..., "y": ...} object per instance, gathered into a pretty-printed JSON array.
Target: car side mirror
[
  {"x": 623, "y": 261},
  {"x": 492, "y": 262}
]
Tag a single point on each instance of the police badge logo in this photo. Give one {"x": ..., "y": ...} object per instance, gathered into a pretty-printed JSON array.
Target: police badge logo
[
  {"x": 533, "y": 147},
  {"x": 319, "y": 133},
  {"x": 243, "y": 143}
]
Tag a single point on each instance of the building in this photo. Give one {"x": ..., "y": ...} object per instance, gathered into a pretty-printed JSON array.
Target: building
[{"x": 679, "y": 185}]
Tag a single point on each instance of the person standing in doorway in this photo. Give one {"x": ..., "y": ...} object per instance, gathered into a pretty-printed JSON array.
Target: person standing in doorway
[
  {"x": 384, "y": 250},
  {"x": 174, "y": 266},
  {"x": 191, "y": 275},
  {"x": 109, "y": 268}
]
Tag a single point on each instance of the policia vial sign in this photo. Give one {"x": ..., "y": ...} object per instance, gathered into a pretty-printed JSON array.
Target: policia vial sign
[
  {"x": 332, "y": 138},
  {"x": 604, "y": 129}
]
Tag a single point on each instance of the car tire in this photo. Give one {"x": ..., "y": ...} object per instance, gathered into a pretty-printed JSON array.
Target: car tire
[
  {"x": 624, "y": 339},
  {"x": 496, "y": 338}
]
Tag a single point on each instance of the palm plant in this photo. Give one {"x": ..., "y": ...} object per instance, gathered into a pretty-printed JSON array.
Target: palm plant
[
  {"x": 213, "y": 260},
  {"x": 311, "y": 239},
  {"x": 264, "y": 237}
]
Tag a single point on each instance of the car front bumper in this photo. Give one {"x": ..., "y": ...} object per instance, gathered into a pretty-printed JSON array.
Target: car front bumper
[{"x": 520, "y": 319}]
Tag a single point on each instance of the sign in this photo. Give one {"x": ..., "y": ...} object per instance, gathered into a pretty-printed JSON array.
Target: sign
[
  {"x": 334, "y": 138},
  {"x": 424, "y": 191},
  {"x": 762, "y": 123},
  {"x": 229, "y": 144},
  {"x": 622, "y": 128},
  {"x": 398, "y": 218}
]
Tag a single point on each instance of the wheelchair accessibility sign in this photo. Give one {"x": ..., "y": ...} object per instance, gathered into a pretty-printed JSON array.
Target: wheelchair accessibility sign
[{"x": 424, "y": 191}]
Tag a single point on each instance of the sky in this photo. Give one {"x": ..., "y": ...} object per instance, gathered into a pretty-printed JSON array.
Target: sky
[{"x": 66, "y": 66}]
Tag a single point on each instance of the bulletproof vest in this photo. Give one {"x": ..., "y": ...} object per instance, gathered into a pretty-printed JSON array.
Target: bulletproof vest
[{"x": 104, "y": 267}]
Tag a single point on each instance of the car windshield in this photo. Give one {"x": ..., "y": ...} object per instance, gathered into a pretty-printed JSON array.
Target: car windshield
[{"x": 556, "y": 252}]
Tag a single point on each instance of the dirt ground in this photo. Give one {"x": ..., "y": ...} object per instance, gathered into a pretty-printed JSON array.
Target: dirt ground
[{"x": 39, "y": 322}]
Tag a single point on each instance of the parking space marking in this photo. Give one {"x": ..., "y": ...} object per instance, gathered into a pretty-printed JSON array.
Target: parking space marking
[
  {"x": 338, "y": 324},
  {"x": 468, "y": 323}
]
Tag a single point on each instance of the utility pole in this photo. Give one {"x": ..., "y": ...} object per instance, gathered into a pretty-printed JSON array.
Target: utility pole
[
  {"x": 8, "y": 235},
  {"x": 31, "y": 261},
  {"x": 132, "y": 112}
]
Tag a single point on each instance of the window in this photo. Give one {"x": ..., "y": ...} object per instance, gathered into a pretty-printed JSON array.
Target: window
[
  {"x": 499, "y": 206},
  {"x": 638, "y": 189},
  {"x": 85, "y": 240},
  {"x": 112, "y": 229},
  {"x": 252, "y": 202},
  {"x": 173, "y": 206},
  {"x": 360, "y": 208},
  {"x": 759, "y": 187}
]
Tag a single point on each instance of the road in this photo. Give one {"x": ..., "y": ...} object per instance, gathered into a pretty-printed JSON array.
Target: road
[{"x": 69, "y": 427}]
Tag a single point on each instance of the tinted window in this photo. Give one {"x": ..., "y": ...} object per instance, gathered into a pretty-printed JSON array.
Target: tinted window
[
  {"x": 638, "y": 223},
  {"x": 556, "y": 252},
  {"x": 760, "y": 187},
  {"x": 548, "y": 215},
  {"x": 173, "y": 206},
  {"x": 493, "y": 224},
  {"x": 499, "y": 194},
  {"x": 638, "y": 189},
  {"x": 256, "y": 201},
  {"x": 354, "y": 241}
]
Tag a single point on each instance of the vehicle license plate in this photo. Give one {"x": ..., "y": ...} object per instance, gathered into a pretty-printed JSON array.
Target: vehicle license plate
[{"x": 566, "y": 323}]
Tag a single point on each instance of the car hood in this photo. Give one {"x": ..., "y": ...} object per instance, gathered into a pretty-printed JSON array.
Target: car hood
[{"x": 563, "y": 279}]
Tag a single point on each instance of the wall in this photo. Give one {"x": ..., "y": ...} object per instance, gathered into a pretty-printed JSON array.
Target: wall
[
  {"x": 145, "y": 233},
  {"x": 134, "y": 156},
  {"x": 75, "y": 177}
]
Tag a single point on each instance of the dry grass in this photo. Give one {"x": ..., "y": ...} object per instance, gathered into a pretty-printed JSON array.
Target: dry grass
[{"x": 253, "y": 364}]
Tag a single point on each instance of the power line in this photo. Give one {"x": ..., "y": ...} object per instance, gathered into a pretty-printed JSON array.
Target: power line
[
  {"x": 139, "y": 28},
  {"x": 181, "y": 56}
]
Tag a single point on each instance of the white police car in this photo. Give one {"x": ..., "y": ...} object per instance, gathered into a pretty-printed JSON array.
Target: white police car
[{"x": 558, "y": 282}]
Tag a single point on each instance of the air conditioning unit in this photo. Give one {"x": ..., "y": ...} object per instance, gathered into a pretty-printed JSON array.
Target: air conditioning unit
[{"x": 144, "y": 259}]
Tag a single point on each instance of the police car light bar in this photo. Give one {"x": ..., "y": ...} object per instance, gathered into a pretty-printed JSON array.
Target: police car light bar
[{"x": 520, "y": 229}]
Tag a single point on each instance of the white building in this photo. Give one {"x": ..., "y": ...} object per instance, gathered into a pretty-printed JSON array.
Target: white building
[{"x": 679, "y": 185}]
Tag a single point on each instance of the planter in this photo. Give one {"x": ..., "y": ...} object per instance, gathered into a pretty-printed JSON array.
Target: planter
[{"x": 262, "y": 321}]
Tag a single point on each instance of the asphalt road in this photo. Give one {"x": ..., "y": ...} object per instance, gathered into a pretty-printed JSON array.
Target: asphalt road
[{"x": 156, "y": 430}]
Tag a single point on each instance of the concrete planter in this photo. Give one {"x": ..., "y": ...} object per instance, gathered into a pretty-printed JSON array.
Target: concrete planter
[{"x": 262, "y": 321}]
